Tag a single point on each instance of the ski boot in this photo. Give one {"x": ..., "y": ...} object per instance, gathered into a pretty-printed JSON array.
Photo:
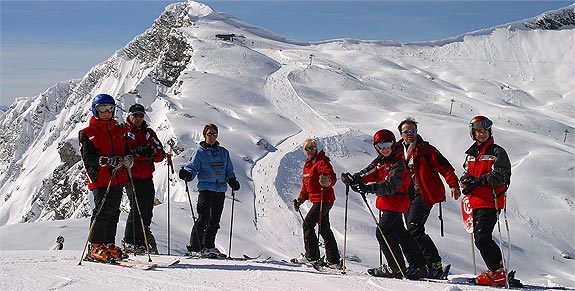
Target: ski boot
[
  {"x": 385, "y": 271},
  {"x": 116, "y": 252},
  {"x": 413, "y": 273},
  {"x": 99, "y": 253},
  {"x": 492, "y": 278}
]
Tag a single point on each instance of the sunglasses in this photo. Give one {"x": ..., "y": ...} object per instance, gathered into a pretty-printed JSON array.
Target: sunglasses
[
  {"x": 311, "y": 148},
  {"x": 212, "y": 134},
  {"x": 408, "y": 131},
  {"x": 106, "y": 108},
  {"x": 137, "y": 114},
  {"x": 383, "y": 145}
]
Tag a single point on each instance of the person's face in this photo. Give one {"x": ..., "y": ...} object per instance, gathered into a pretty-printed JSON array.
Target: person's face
[
  {"x": 136, "y": 118},
  {"x": 408, "y": 133},
  {"x": 105, "y": 111},
  {"x": 386, "y": 152},
  {"x": 310, "y": 151},
  {"x": 211, "y": 136},
  {"x": 481, "y": 135}
]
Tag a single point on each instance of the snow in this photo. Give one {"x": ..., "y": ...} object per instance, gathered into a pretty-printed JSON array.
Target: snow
[{"x": 266, "y": 99}]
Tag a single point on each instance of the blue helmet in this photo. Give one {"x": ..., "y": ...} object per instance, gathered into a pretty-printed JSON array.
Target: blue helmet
[{"x": 101, "y": 99}]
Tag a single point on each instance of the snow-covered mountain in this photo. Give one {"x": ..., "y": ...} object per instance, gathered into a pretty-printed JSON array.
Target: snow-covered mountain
[{"x": 268, "y": 93}]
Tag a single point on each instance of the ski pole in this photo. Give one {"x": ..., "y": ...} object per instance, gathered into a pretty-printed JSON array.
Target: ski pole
[
  {"x": 343, "y": 266},
  {"x": 171, "y": 167},
  {"x": 193, "y": 216},
  {"x": 231, "y": 223},
  {"x": 320, "y": 216},
  {"x": 441, "y": 218},
  {"x": 500, "y": 241},
  {"x": 139, "y": 212},
  {"x": 98, "y": 212},
  {"x": 380, "y": 250},
  {"x": 298, "y": 210},
  {"x": 473, "y": 254},
  {"x": 382, "y": 235}
]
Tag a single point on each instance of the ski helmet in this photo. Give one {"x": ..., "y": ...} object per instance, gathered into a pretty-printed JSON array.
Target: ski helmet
[
  {"x": 382, "y": 137},
  {"x": 479, "y": 122},
  {"x": 101, "y": 99}
]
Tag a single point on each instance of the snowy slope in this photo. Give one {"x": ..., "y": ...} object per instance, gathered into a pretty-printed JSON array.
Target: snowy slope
[{"x": 266, "y": 99}]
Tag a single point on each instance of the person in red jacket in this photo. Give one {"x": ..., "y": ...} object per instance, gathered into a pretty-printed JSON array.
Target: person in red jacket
[
  {"x": 388, "y": 178},
  {"x": 147, "y": 149},
  {"x": 105, "y": 155},
  {"x": 425, "y": 163},
  {"x": 317, "y": 187},
  {"x": 486, "y": 178}
]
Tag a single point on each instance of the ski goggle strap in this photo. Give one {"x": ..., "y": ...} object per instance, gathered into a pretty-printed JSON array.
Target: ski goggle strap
[
  {"x": 106, "y": 108},
  {"x": 479, "y": 124}
]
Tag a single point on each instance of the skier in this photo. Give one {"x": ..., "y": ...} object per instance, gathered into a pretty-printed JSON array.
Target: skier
[
  {"x": 58, "y": 244},
  {"x": 487, "y": 174},
  {"x": 212, "y": 165},
  {"x": 147, "y": 149},
  {"x": 425, "y": 163},
  {"x": 317, "y": 187},
  {"x": 390, "y": 180},
  {"x": 106, "y": 156}
]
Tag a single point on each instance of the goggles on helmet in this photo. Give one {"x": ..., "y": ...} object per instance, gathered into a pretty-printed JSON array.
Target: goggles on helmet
[
  {"x": 106, "y": 108},
  {"x": 383, "y": 145},
  {"x": 479, "y": 124}
]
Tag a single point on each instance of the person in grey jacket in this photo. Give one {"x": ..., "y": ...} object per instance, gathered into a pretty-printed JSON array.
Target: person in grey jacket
[{"x": 212, "y": 165}]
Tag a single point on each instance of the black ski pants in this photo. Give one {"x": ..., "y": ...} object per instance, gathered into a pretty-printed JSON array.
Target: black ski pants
[
  {"x": 145, "y": 193},
  {"x": 398, "y": 239},
  {"x": 311, "y": 242},
  {"x": 415, "y": 219},
  {"x": 484, "y": 220},
  {"x": 210, "y": 207},
  {"x": 104, "y": 230}
]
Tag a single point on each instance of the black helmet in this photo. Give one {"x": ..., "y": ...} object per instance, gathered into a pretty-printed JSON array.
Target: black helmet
[
  {"x": 137, "y": 108},
  {"x": 479, "y": 122}
]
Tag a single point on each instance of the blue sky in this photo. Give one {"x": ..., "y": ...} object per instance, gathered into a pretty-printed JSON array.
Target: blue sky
[{"x": 43, "y": 42}]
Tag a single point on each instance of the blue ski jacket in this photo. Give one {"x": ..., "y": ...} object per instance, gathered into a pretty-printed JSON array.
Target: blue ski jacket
[{"x": 213, "y": 167}]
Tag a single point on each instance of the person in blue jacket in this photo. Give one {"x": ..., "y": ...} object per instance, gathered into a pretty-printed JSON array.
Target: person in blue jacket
[{"x": 212, "y": 165}]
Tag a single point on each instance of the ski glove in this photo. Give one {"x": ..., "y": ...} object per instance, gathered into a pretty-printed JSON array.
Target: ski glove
[
  {"x": 469, "y": 182},
  {"x": 324, "y": 180},
  {"x": 144, "y": 150},
  {"x": 297, "y": 202},
  {"x": 128, "y": 161},
  {"x": 114, "y": 161},
  {"x": 234, "y": 184},
  {"x": 185, "y": 175}
]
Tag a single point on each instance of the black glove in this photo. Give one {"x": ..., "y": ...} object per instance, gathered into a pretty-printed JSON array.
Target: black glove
[
  {"x": 469, "y": 181},
  {"x": 185, "y": 175},
  {"x": 357, "y": 179},
  {"x": 367, "y": 188},
  {"x": 234, "y": 184},
  {"x": 144, "y": 150},
  {"x": 114, "y": 161},
  {"x": 351, "y": 180},
  {"x": 297, "y": 202}
]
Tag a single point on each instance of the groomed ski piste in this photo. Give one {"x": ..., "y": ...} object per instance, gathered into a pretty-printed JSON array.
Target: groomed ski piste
[{"x": 267, "y": 94}]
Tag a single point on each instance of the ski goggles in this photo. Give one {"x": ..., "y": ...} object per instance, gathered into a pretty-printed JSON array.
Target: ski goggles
[
  {"x": 106, "y": 108},
  {"x": 408, "y": 131},
  {"x": 383, "y": 145},
  {"x": 479, "y": 124},
  {"x": 212, "y": 134},
  {"x": 137, "y": 114},
  {"x": 311, "y": 148}
]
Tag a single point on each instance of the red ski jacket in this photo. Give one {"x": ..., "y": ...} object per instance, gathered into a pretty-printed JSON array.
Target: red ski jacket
[
  {"x": 103, "y": 138},
  {"x": 144, "y": 166},
  {"x": 490, "y": 164},
  {"x": 428, "y": 163},
  {"x": 392, "y": 188},
  {"x": 311, "y": 189}
]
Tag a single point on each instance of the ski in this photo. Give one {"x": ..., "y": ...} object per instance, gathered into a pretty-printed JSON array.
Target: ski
[
  {"x": 225, "y": 257},
  {"x": 138, "y": 265},
  {"x": 317, "y": 266},
  {"x": 513, "y": 283},
  {"x": 158, "y": 264}
]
